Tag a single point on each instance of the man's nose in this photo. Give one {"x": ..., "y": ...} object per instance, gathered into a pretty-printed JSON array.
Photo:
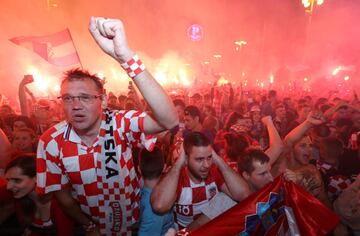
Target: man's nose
[
  {"x": 207, "y": 163},
  {"x": 271, "y": 178},
  {"x": 76, "y": 104},
  {"x": 9, "y": 185}
]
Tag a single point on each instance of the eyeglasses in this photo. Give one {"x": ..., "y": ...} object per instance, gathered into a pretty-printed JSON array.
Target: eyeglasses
[{"x": 84, "y": 98}]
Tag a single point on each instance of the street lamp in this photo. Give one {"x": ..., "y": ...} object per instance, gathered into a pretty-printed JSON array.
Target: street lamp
[
  {"x": 309, "y": 4},
  {"x": 240, "y": 44},
  {"x": 309, "y": 8}
]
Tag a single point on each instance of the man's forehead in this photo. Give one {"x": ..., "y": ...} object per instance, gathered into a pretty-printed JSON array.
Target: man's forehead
[
  {"x": 84, "y": 83},
  {"x": 200, "y": 151},
  {"x": 260, "y": 166}
]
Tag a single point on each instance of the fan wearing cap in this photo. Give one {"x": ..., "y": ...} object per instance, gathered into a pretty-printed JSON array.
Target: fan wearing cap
[{"x": 258, "y": 128}]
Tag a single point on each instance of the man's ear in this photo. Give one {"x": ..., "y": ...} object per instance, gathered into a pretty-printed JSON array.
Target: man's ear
[
  {"x": 186, "y": 159},
  {"x": 245, "y": 175},
  {"x": 104, "y": 101}
]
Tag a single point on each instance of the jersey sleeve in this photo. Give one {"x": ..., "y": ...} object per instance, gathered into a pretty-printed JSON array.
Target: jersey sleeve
[
  {"x": 50, "y": 172},
  {"x": 131, "y": 125}
]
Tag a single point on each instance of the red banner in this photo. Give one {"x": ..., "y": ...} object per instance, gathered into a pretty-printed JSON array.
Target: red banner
[
  {"x": 281, "y": 208},
  {"x": 58, "y": 48}
]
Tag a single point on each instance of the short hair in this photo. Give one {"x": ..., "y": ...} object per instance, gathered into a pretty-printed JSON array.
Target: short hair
[
  {"x": 28, "y": 122},
  {"x": 9, "y": 120},
  {"x": 301, "y": 102},
  {"x": 280, "y": 105},
  {"x": 193, "y": 111},
  {"x": 246, "y": 160},
  {"x": 272, "y": 93},
  {"x": 196, "y": 139},
  {"x": 231, "y": 119},
  {"x": 26, "y": 162},
  {"x": 122, "y": 98},
  {"x": 286, "y": 99},
  {"x": 324, "y": 107},
  {"x": 179, "y": 102},
  {"x": 236, "y": 144},
  {"x": 28, "y": 130},
  {"x": 79, "y": 74},
  {"x": 211, "y": 109},
  {"x": 303, "y": 105},
  {"x": 308, "y": 97},
  {"x": 151, "y": 163},
  {"x": 196, "y": 96},
  {"x": 207, "y": 96}
]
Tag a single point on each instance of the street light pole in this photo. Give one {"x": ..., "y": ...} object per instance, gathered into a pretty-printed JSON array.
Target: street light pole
[{"x": 309, "y": 8}]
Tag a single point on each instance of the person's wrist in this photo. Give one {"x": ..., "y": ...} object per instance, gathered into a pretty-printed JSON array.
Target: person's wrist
[
  {"x": 125, "y": 56},
  {"x": 308, "y": 124},
  {"x": 89, "y": 227},
  {"x": 133, "y": 66},
  {"x": 179, "y": 164}
]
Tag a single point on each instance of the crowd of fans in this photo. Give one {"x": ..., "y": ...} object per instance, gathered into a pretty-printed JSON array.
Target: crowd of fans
[
  {"x": 313, "y": 141},
  {"x": 227, "y": 145}
]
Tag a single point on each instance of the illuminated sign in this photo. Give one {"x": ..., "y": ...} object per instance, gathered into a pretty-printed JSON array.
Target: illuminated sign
[{"x": 195, "y": 32}]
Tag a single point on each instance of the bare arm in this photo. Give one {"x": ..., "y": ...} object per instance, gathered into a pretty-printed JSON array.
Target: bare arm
[
  {"x": 22, "y": 94},
  {"x": 330, "y": 112},
  {"x": 234, "y": 186},
  {"x": 72, "y": 208},
  {"x": 313, "y": 119},
  {"x": 203, "y": 219},
  {"x": 276, "y": 144},
  {"x": 110, "y": 36},
  {"x": 163, "y": 195}
]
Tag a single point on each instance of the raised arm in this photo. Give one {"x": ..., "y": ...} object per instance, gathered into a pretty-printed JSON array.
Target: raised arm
[
  {"x": 234, "y": 186},
  {"x": 109, "y": 34},
  {"x": 330, "y": 112},
  {"x": 22, "y": 94},
  {"x": 275, "y": 143},
  {"x": 313, "y": 119},
  {"x": 163, "y": 195}
]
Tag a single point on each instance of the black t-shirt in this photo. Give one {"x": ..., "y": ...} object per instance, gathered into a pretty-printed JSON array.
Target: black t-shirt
[{"x": 349, "y": 163}]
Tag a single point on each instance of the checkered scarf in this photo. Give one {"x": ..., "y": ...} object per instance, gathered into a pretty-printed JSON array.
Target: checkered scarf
[{"x": 115, "y": 215}]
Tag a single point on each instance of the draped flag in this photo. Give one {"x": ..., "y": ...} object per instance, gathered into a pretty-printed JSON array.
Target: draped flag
[
  {"x": 281, "y": 208},
  {"x": 58, "y": 48}
]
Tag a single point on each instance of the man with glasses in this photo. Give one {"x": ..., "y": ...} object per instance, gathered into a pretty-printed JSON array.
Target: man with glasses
[{"x": 90, "y": 154}]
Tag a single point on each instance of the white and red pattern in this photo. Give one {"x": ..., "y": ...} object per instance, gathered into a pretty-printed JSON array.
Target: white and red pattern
[
  {"x": 134, "y": 66},
  {"x": 64, "y": 161},
  {"x": 337, "y": 184},
  {"x": 192, "y": 197}
]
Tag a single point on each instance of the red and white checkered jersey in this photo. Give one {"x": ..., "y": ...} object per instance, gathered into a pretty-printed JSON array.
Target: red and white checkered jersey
[
  {"x": 102, "y": 176},
  {"x": 192, "y": 198}
]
